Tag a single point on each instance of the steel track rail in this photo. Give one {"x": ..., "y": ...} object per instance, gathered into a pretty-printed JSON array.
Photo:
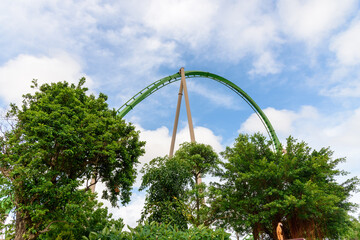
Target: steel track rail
[{"x": 155, "y": 86}]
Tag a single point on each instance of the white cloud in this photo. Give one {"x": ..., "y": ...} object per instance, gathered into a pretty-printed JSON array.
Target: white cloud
[
  {"x": 343, "y": 89},
  {"x": 244, "y": 27},
  {"x": 154, "y": 34},
  {"x": 265, "y": 64},
  {"x": 114, "y": 32},
  {"x": 150, "y": 53},
  {"x": 149, "y": 34},
  {"x": 231, "y": 31},
  {"x": 2, "y": 112},
  {"x": 186, "y": 21},
  {"x": 157, "y": 143},
  {"x": 214, "y": 96},
  {"x": 346, "y": 44},
  {"x": 44, "y": 25},
  {"x": 16, "y": 74},
  {"x": 313, "y": 20},
  {"x": 132, "y": 212},
  {"x": 282, "y": 120}
]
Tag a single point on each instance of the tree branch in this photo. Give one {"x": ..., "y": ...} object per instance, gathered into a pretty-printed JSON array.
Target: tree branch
[
  {"x": 5, "y": 172},
  {"x": 48, "y": 226}
]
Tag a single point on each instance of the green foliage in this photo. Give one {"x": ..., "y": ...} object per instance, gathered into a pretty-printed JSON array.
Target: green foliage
[
  {"x": 107, "y": 233},
  {"x": 201, "y": 158},
  {"x": 65, "y": 236},
  {"x": 61, "y": 138},
  {"x": 158, "y": 231},
  {"x": 168, "y": 182},
  {"x": 173, "y": 195},
  {"x": 91, "y": 217},
  {"x": 354, "y": 232},
  {"x": 261, "y": 188}
]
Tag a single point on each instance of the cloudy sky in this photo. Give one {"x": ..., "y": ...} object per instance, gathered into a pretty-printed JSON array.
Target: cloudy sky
[{"x": 299, "y": 60}]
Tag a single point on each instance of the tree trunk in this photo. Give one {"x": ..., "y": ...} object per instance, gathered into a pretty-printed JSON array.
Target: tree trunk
[
  {"x": 197, "y": 207},
  {"x": 255, "y": 232},
  {"x": 20, "y": 226}
]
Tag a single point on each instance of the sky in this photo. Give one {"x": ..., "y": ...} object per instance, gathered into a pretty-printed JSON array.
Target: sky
[{"x": 299, "y": 60}]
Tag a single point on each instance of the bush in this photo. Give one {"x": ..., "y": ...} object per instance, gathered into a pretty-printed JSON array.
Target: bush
[{"x": 158, "y": 231}]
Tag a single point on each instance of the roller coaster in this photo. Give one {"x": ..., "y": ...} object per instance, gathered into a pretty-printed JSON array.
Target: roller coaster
[{"x": 157, "y": 85}]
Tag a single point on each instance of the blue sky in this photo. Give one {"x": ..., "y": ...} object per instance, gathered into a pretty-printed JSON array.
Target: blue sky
[{"x": 299, "y": 60}]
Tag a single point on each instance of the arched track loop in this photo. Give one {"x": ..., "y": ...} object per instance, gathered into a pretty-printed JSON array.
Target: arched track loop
[{"x": 155, "y": 86}]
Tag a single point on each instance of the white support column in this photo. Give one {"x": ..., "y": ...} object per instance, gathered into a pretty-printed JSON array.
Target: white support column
[
  {"x": 177, "y": 114},
  {"x": 188, "y": 112}
]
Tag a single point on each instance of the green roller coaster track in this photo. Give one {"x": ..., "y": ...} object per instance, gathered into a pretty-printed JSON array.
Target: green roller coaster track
[{"x": 147, "y": 91}]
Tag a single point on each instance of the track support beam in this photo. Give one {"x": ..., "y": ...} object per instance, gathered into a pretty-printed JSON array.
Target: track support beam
[
  {"x": 176, "y": 122},
  {"x": 188, "y": 112},
  {"x": 183, "y": 87}
]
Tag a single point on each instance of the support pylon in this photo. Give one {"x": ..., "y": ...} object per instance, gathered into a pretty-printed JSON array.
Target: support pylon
[
  {"x": 188, "y": 112},
  {"x": 171, "y": 153},
  {"x": 183, "y": 88}
]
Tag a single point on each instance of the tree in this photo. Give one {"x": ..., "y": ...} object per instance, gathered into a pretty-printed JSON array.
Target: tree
[
  {"x": 78, "y": 222},
  {"x": 260, "y": 188},
  {"x": 173, "y": 194},
  {"x": 202, "y": 160},
  {"x": 354, "y": 232},
  {"x": 167, "y": 181},
  {"x": 62, "y": 138}
]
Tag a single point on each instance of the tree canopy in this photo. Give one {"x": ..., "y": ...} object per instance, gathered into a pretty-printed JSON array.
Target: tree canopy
[
  {"x": 260, "y": 188},
  {"x": 174, "y": 194},
  {"x": 62, "y": 138},
  {"x": 81, "y": 221},
  {"x": 167, "y": 182}
]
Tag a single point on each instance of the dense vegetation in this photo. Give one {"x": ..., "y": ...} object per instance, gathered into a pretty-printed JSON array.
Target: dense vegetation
[
  {"x": 258, "y": 188},
  {"x": 158, "y": 231},
  {"x": 175, "y": 194},
  {"x": 261, "y": 188},
  {"x": 62, "y": 138}
]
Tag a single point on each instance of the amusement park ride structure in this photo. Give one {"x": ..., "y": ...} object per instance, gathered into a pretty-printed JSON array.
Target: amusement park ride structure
[
  {"x": 188, "y": 112},
  {"x": 155, "y": 86}
]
